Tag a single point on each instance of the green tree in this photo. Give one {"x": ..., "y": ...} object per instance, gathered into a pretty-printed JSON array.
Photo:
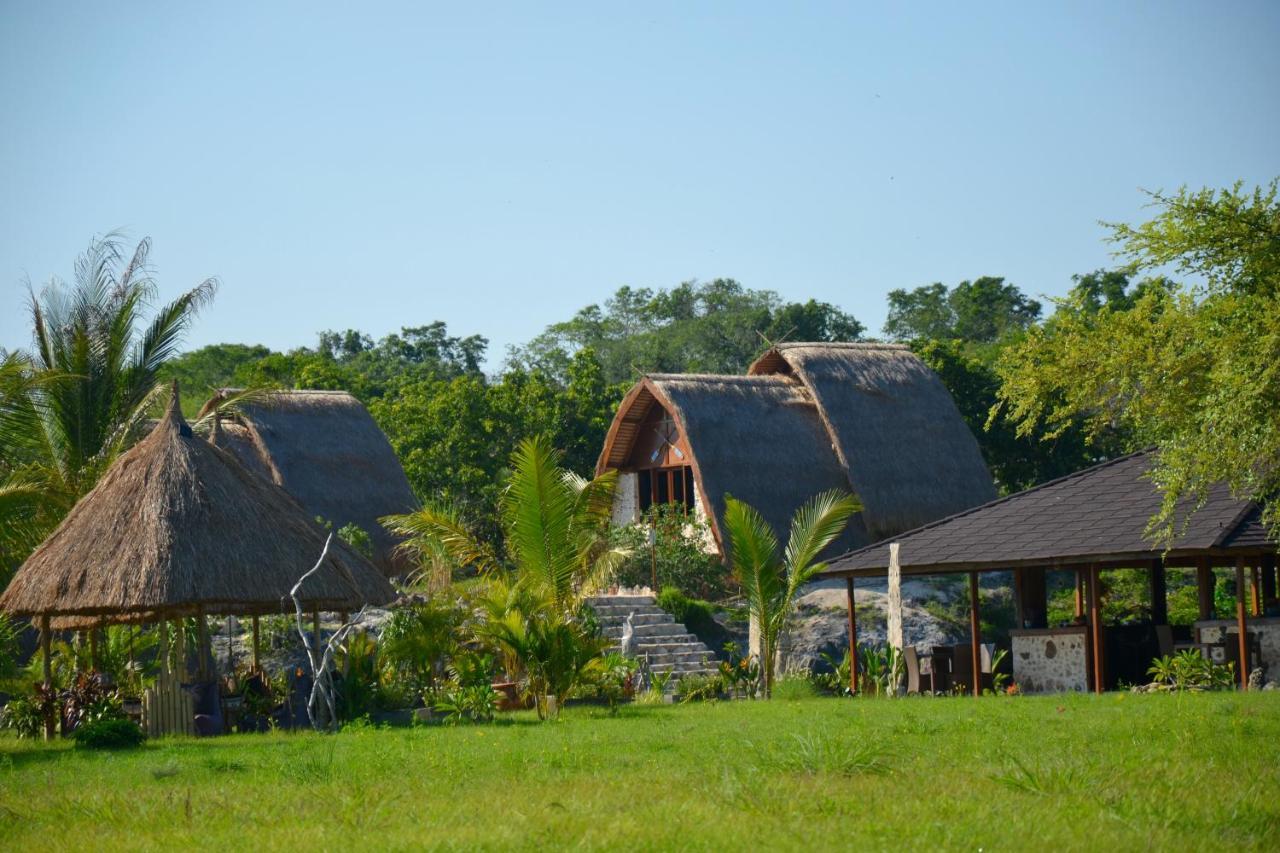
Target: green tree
[
  {"x": 92, "y": 376},
  {"x": 1190, "y": 368},
  {"x": 770, "y": 580},
  {"x": 983, "y": 311},
  {"x": 713, "y": 327}
]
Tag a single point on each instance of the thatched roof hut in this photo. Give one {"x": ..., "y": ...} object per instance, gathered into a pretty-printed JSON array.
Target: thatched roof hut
[
  {"x": 867, "y": 418},
  {"x": 177, "y": 527},
  {"x": 324, "y": 449}
]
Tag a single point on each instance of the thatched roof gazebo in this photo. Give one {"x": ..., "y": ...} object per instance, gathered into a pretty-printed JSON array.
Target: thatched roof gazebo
[
  {"x": 327, "y": 452},
  {"x": 175, "y": 528}
]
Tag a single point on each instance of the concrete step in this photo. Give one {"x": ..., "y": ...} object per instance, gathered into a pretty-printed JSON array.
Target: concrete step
[
  {"x": 620, "y": 614},
  {"x": 620, "y": 600},
  {"x": 651, "y": 633}
]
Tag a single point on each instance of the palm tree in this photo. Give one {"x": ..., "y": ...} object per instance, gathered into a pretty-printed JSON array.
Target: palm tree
[
  {"x": 74, "y": 403},
  {"x": 771, "y": 581},
  {"x": 555, "y": 527}
]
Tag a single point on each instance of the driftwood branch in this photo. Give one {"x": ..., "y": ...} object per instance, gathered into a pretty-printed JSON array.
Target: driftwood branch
[{"x": 321, "y": 661}]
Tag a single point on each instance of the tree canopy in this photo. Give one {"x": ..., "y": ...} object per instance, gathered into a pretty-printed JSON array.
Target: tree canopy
[{"x": 1189, "y": 367}]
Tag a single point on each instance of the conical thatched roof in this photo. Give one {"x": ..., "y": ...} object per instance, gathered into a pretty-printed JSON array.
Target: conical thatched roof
[
  {"x": 177, "y": 526},
  {"x": 897, "y": 432},
  {"x": 324, "y": 449}
]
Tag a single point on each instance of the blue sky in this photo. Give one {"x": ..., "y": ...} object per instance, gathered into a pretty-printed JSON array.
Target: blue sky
[{"x": 499, "y": 167}]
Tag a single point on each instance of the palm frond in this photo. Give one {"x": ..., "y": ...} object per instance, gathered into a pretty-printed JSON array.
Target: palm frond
[
  {"x": 813, "y": 527},
  {"x": 439, "y": 527}
]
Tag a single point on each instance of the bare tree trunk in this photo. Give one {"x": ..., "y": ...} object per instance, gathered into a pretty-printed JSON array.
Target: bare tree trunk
[{"x": 321, "y": 707}]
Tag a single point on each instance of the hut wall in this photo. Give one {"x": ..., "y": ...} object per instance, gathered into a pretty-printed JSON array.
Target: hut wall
[
  {"x": 1052, "y": 660},
  {"x": 626, "y": 500}
]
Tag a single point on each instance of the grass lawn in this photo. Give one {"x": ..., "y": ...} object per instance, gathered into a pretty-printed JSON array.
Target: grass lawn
[{"x": 1075, "y": 772}]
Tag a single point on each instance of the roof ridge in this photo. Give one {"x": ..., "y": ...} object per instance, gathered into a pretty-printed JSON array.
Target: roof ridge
[
  {"x": 1072, "y": 476},
  {"x": 886, "y": 345}
]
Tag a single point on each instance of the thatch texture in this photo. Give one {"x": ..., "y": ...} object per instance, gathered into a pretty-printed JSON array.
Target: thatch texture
[
  {"x": 324, "y": 449},
  {"x": 757, "y": 438},
  {"x": 868, "y": 418},
  {"x": 896, "y": 430},
  {"x": 177, "y": 526}
]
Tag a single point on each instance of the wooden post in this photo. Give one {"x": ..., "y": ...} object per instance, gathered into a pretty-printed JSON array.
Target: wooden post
[
  {"x": 1019, "y": 592},
  {"x": 256, "y": 666},
  {"x": 50, "y": 725},
  {"x": 1095, "y": 623},
  {"x": 315, "y": 629},
  {"x": 94, "y": 666},
  {"x": 1204, "y": 588},
  {"x": 1268, "y": 578},
  {"x": 1256, "y": 589},
  {"x": 181, "y": 630},
  {"x": 202, "y": 644},
  {"x": 1240, "y": 625},
  {"x": 853, "y": 638},
  {"x": 1079, "y": 595},
  {"x": 975, "y": 634},
  {"x": 1159, "y": 593}
]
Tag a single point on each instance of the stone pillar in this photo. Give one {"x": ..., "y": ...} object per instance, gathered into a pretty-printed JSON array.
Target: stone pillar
[{"x": 893, "y": 633}]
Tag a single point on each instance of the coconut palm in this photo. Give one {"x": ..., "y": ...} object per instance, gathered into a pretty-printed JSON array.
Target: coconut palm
[
  {"x": 555, "y": 527},
  {"x": 72, "y": 404},
  {"x": 769, "y": 580}
]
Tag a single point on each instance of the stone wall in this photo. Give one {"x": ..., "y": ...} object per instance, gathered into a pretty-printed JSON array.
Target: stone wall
[
  {"x": 1268, "y": 629},
  {"x": 1053, "y": 660}
]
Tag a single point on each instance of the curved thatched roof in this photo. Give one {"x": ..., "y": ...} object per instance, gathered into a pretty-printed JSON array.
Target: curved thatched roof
[
  {"x": 326, "y": 451},
  {"x": 177, "y": 526},
  {"x": 908, "y": 453},
  {"x": 867, "y": 418},
  {"x": 757, "y": 438}
]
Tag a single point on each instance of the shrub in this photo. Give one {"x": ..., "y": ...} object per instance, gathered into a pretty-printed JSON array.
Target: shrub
[
  {"x": 1190, "y": 670},
  {"x": 682, "y": 556},
  {"x": 794, "y": 686},
  {"x": 615, "y": 679},
  {"x": 694, "y": 613},
  {"x": 474, "y": 703},
  {"x": 109, "y": 734},
  {"x": 24, "y": 717},
  {"x": 700, "y": 688}
]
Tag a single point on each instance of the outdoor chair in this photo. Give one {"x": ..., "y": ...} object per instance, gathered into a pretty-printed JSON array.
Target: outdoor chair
[
  {"x": 962, "y": 668},
  {"x": 917, "y": 681}
]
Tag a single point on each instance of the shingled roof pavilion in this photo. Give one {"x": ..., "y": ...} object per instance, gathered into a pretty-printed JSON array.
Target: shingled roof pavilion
[
  {"x": 1088, "y": 522},
  {"x": 868, "y": 418}
]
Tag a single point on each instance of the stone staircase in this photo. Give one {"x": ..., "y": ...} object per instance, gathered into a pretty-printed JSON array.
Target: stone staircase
[{"x": 658, "y": 636}]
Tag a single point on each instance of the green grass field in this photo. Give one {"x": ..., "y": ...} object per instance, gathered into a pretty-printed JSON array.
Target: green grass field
[{"x": 1067, "y": 772}]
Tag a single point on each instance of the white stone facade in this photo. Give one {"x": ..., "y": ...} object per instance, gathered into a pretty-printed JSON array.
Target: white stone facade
[
  {"x": 1052, "y": 660},
  {"x": 626, "y": 501}
]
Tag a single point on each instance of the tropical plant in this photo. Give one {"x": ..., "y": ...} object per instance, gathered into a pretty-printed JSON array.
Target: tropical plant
[
  {"x": 770, "y": 581},
  {"x": 836, "y": 679},
  {"x": 1190, "y": 670},
  {"x": 476, "y": 703},
  {"x": 880, "y": 671},
  {"x": 555, "y": 526},
  {"x": 419, "y": 640},
  {"x": 999, "y": 678},
  {"x": 741, "y": 675},
  {"x": 556, "y": 652},
  {"x": 75, "y": 402},
  {"x": 614, "y": 676}
]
